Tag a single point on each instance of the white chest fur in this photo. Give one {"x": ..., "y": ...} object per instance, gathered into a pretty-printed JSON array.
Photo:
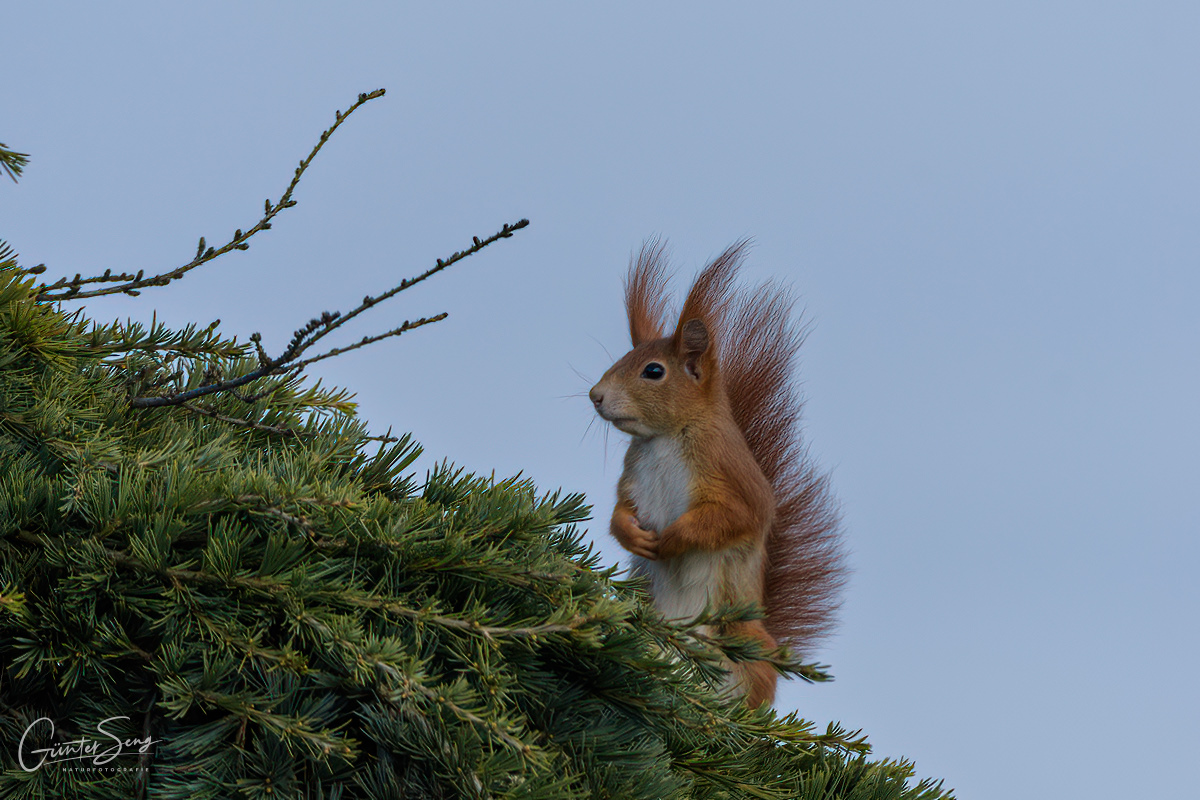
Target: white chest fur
[
  {"x": 660, "y": 487},
  {"x": 660, "y": 484}
]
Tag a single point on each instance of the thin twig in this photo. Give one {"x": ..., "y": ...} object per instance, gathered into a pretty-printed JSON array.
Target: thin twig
[
  {"x": 64, "y": 289},
  {"x": 290, "y": 362},
  {"x": 368, "y": 301},
  {"x": 407, "y": 326}
]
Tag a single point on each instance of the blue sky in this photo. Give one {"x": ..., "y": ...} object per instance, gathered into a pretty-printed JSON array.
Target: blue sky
[{"x": 988, "y": 210}]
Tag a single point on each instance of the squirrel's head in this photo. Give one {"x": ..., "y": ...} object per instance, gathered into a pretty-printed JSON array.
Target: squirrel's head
[
  {"x": 667, "y": 381},
  {"x": 660, "y": 385}
]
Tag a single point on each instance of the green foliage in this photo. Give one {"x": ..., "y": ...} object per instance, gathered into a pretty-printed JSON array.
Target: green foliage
[
  {"x": 260, "y": 586},
  {"x": 12, "y": 162}
]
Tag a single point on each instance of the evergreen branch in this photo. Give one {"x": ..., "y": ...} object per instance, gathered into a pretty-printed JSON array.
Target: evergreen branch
[
  {"x": 256, "y": 504},
  {"x": 474, "y": 627},
  {"x": 250, "y": 649},
  {"x": 300, "y": 728},
  {"x": 747, "y": 649},
  {"x": 8, "y": 256},
  {"x": 508, "y": 573},
  {"x": 12, "y": 601},
  {"x": 122, "y": 559},
  {"x": 278, "y": 430},
  {"x": 462, "y": 713},
  {"x": 239, "y": 422},
  {"x": 490, "y": 633},
  {"x": 127, "y": 283},
  {"x": 271, "y": 587},
  {"x": 290, "y": 362},
  {"x": 13, "y": 163},
  {"x": 191, "y": 341},
  {"x": 709, "y": 720},
  {"x": 271, "y": 368}
]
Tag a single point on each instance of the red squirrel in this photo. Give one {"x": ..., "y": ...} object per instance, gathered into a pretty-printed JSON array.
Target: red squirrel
[{"x": 718, "y": 502}]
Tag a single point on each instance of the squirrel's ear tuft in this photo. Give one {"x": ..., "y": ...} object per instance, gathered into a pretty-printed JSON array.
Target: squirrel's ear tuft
[
  {"x": 646, "y": 292},
  {"x": 694, "y": 343},
  {"x": 702, "y": 318},
  {"x": 709, "y": 297}
]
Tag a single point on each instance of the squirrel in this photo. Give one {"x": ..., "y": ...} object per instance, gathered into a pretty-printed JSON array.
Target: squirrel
[{"x": 718, "y": 502}]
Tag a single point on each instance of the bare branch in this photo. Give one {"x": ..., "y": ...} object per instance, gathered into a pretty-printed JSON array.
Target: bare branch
[
  {"x": 290, "y": 362},
  {"x": 64, "y": 289},
  {"x": 337, "y": 319},
  {"x": 407, "y": 326}
]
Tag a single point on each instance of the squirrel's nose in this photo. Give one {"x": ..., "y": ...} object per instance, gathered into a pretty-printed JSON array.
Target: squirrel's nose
[{"x": 597, "y": 397}]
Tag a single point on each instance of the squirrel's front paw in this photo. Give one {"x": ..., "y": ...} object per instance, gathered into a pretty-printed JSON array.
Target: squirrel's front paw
[
  {"x": 644, "y": 543},
  {"x": 634, "y": 538}
]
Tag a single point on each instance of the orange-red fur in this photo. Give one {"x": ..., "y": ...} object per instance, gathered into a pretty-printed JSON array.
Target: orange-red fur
[{"x": 729, "y": 497}]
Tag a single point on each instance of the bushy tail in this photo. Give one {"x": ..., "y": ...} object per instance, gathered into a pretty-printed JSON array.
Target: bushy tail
[{"x": 805, "y": 563}]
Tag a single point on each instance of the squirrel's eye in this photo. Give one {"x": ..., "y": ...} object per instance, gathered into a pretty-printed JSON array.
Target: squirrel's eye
[{"x": 654, "y": 371}]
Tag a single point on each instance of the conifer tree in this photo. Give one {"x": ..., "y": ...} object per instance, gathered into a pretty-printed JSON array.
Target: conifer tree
[{"x": 213, "y": 553}]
